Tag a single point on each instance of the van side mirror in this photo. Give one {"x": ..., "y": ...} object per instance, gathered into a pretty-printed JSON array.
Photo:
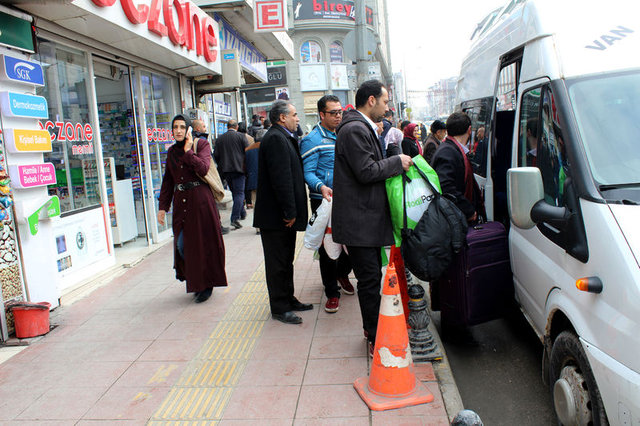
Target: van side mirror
[
  {"x": 526, "y": 200},
  {"x": 524, "y": 190}
]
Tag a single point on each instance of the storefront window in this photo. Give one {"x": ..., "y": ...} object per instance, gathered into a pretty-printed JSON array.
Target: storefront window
[
  {"x": 310, "y": 52},
  {"x": 72, "y": 133},
  {"x": 160, "y": 100}
]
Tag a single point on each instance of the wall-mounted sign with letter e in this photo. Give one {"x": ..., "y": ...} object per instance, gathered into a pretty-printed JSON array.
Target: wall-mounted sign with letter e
[
  {"x": 22, "y": 105},
  {"x": 270, "y": 16},
  {"x": 18, "y": 140}
]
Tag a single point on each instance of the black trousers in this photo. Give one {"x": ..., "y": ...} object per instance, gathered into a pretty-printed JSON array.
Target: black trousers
[
  {"x": 279, "y": 250},
  {"x": 367, "y": 267},
  {"x": 331, "y": 270}
]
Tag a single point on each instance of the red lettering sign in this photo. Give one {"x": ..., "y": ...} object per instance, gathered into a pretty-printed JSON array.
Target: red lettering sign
[
  {"x": 270, "y": 15},
  {"x": 194, "y": 29}
]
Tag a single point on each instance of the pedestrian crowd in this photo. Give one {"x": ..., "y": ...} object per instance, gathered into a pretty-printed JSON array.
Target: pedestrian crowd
[{"x": 344, "y": 162}]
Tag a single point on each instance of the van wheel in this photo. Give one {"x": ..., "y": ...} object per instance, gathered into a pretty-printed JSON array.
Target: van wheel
[{"x": 576, "y": 396}]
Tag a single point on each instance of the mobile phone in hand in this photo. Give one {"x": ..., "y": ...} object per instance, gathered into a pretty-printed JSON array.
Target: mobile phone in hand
[{"x": 189, "y": 130}]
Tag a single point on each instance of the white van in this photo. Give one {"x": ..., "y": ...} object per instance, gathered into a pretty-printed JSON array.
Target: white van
[{"x": 556, "y": 84}]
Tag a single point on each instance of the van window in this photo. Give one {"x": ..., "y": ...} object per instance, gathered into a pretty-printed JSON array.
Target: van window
[
  {"x": 480, "y": 114},
  {"x": 529, "y": 128},
  {"x": 551, "y": 156},
  {"x": 507, "y": 88}
]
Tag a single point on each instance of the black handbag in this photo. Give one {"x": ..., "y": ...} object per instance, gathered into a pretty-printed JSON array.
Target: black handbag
[{"x": 428, "y": 249}]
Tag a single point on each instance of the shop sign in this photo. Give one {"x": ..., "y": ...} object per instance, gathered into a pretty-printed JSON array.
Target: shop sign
[
  {"x": 270, "y": 15},
  {"x": 250, "y": 58},
  {"x": 32, "y": 175},
  {"x": 159, "y": 135},
  {"x": 68, "y": 131},
  {"x": 20, "y": 140},
  {"x": 277, "y": 75},
  {"x": 222, "y": 109},
  {"x": 328, "y": 9},
  {"x": 195, "y": 30},
  {"x": 260, "y": 96},
  {"x": 51, "y": 208},
  {"x": 22, "y": 71},
  {"x": 16, "y": 32},
  {"x": 22, "y": 105}
]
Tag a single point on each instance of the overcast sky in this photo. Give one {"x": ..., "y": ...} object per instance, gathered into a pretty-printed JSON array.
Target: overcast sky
[{"x": 429, "y": 41}]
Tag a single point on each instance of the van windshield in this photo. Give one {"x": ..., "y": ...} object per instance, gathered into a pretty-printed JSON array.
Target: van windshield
[{"x": 607, "y": 109}]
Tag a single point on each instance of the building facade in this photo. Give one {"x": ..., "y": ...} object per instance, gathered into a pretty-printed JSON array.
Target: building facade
[
  {"x": 325, "y": 57},
  {"x": 88, "y": 91}
]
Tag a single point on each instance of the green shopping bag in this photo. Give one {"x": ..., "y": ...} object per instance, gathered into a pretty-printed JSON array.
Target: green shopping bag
[{"x": 418, "y": 195}]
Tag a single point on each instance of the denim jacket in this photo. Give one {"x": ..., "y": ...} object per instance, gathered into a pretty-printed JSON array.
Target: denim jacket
[{"x": 318, "y": 154}]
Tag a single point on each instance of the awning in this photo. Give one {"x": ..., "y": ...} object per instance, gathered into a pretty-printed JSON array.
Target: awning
[
  {"x": 110, "y": 25},
  {"x": 274, "y": 46}
]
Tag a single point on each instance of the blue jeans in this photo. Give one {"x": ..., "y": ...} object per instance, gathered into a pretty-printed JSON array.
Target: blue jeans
[
  {"x": 235, "y": 181},
  {"x": 180, "y": 244}
]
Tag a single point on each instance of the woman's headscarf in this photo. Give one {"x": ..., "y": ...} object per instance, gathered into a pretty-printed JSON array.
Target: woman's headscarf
[
  {"x": 183, "y": 118},
  {"x": 408, "y": 131}
]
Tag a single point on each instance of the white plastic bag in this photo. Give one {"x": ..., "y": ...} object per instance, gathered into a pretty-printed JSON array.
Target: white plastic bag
[
  {"x": 332, "y": 248},
  {"x": 317, "y": 224}
]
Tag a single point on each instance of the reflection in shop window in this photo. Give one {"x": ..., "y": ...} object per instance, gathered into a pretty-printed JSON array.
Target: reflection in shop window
[{"x": 73, "y": 152}]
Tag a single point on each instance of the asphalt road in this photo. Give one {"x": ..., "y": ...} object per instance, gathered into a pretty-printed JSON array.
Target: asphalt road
[{"x": 500, "y": 379}]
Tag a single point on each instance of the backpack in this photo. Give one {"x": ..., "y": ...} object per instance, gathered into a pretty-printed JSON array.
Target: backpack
[{"x": 428, "y": 249}]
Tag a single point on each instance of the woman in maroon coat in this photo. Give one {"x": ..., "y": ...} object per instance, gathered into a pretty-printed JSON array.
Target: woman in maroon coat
[{"x": 198, "y": 246}]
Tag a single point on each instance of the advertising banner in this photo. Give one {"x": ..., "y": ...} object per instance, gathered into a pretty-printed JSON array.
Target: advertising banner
[
  {"x": 339, "y": 77},
  {"x": 324, "y": 9},
  {"x": 19, "y": 140},
  {"x": 313, "y": 77},
  {"x": 32, "y": 175},
  {"x": 250, "y": 58}
]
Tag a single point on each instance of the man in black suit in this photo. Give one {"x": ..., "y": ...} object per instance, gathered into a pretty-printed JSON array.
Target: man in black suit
[
  {"x": 281, "y": 209},
  {"x": 361, "y": 218},
  {"x": 229, "y": 156}
]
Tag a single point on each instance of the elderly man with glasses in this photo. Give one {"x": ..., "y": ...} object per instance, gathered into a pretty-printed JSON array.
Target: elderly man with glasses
[{"x": 318, "y": 153}]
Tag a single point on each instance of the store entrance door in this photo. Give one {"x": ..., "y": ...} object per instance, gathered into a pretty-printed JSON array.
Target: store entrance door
[{"x": 120, "y": 151}]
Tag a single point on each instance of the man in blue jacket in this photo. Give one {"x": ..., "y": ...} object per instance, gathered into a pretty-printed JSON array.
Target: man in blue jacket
[{"x": 318, "y": 154}]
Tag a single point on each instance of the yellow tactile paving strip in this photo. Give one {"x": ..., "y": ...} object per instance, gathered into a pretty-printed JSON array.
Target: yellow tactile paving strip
[{"x": 201, "y": 394}]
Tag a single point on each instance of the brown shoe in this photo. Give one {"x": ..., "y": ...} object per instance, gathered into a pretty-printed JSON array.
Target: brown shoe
[{"x": 347, "y": 288}]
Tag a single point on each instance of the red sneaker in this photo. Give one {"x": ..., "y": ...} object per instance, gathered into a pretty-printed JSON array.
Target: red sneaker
[
  {"x": 347, "y": 288},
  {"x": 332, "y": 305}
]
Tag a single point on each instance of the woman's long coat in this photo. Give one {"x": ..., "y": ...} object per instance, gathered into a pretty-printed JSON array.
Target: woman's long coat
[{"x": 194, "y": 213}]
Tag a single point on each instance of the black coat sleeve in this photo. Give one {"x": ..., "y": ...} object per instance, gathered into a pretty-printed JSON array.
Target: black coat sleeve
[
  {"x": 450, "y": 168},
  {"x": 361, "y": 160}
]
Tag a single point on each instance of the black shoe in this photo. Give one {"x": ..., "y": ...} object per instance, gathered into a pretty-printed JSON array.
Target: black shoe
[
  {"x": 236, "y": 224},
  {"x": 225, "y": 230},
  {"x": 287, "y": 318},
  {"x": 203, "y": 295},
  {"x": 299, "y": 306}
]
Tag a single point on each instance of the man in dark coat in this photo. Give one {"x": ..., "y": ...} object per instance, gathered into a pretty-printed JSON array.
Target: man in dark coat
[
  {"x": 454, "y": 168},
  {"x": 361, "y": 218},
  {"x": 438, "y": 133},
  {"x": 229, "y": 156},
  {"x": 281, "y": 209},
  {"x": 457, "y": 181},
  {"x": 198, "y": 245}
]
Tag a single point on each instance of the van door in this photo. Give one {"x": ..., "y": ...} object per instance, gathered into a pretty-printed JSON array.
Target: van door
[{"x": 537, "y": 254}]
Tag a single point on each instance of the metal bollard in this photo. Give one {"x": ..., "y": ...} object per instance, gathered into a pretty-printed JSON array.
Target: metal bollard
[
  {"x": 467, "y": 418},
  {"x": 423, "y": 346}
]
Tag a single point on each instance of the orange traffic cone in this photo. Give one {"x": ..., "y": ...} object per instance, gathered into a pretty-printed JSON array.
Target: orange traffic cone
[{"x": 392, "y": 383}]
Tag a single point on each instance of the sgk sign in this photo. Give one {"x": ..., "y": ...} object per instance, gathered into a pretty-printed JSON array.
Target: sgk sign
[
  {"x": 270, "y": 16},
  {"x": 193, "y": 28}
]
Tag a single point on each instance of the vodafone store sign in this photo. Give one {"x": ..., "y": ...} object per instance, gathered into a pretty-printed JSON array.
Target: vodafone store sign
[
  {"x": 32, "y": 175},
  {"x": 184, "y": 23}
]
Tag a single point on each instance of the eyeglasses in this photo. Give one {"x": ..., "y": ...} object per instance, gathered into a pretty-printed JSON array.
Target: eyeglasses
[{"x": 335, "y": 112}]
